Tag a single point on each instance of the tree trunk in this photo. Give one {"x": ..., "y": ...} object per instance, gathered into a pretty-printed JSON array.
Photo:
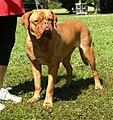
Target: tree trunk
[
  {"x": 45, "y": 4},
  {"x": 37, "y": 3},
  {"x": 80, "y": 1},
  {"x": 96, "y": 6}
]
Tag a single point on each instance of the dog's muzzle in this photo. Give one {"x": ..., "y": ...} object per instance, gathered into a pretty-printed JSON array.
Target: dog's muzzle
[{"x": 47, "y": 31}]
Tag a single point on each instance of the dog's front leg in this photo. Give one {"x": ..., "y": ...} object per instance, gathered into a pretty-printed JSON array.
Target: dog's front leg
[
  {"x": 52, "y": 74},
  {"x": 37, "y": 73}
]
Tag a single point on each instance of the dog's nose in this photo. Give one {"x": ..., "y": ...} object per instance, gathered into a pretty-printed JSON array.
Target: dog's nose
[{"x": 46, "y": 22}]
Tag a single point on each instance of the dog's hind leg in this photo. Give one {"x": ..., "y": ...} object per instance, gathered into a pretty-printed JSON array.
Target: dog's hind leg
[
  {"x": 89, "y": 57},
  {"x": 84, "y": 59},
  {"x": 67, "y": 65}
]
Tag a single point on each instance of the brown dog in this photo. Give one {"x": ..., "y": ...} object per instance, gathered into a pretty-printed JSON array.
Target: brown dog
[{"x": 49, "y": 43}]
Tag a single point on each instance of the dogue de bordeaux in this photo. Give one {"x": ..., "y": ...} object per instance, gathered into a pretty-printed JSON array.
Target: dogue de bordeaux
[{"x": 49, "y": 43}]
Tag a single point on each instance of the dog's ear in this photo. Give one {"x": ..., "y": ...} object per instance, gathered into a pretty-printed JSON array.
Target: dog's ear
[
  {"x": 54, "y": 17},
  {"x": 24, "y": 20}
]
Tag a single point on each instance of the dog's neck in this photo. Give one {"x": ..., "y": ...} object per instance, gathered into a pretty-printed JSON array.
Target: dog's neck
[{"x": 44, "y": 43}]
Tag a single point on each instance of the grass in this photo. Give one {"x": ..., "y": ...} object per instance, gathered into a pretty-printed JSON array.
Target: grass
[{"x": 79, "y": 102}]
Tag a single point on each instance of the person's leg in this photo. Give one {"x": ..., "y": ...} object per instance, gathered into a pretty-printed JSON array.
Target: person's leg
[
  {"x": 7, "y": 40},
  {"x": 2, "y": 74}
]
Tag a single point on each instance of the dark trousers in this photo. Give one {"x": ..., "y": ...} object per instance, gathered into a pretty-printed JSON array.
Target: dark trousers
[{"x": 7, "y": 37}]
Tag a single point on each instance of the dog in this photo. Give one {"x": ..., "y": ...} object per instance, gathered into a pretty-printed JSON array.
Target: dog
[{"x": 50, "y": 43}]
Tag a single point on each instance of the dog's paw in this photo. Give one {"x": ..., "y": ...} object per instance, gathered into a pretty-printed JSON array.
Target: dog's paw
[
  {"x": 47, "y": 104},
  {"x": 33, "y": 99}
]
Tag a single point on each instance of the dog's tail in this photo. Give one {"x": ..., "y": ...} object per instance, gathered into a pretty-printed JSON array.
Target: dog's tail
[{"x": 84, "y": 59}]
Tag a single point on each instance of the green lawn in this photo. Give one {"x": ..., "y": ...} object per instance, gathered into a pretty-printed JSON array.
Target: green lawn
[{"x": 79, "y": 102}]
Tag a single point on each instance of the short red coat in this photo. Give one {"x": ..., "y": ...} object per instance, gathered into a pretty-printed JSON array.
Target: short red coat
[{"x": 11, "y": 7}]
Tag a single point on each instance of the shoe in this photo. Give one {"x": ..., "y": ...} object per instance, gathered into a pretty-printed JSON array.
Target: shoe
[
  {"x": 2, "y": 106},
  {"x": 5, "y": 95}
]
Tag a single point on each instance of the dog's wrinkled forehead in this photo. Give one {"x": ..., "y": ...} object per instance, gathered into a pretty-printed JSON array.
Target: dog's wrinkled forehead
[{"x": 41, "y": 14}]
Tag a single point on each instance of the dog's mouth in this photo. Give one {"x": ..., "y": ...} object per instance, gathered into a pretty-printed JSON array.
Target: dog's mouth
[{"x": 47, "y": 32}]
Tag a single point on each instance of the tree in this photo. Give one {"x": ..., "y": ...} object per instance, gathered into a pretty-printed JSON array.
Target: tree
[
  {"x": 69, "y": 4},
  {"x": 103, "y": 6},
  {"x": 31, "y": 4},
  {"x": 45, "y": 4},
  {"x": 106, "y": 6},
  {"x": 96, "y": 6}
]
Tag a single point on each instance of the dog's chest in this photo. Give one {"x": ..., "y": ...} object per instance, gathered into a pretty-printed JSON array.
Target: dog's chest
[
  {"x": 42, "y": 54},
  {"x": 44, "y": 57}
]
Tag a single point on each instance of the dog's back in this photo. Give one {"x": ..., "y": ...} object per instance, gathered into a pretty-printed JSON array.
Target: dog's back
[{"x": 73, "y": 31}]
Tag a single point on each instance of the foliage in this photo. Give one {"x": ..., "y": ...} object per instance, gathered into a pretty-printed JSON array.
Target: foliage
[
  {"x": 54, "y": 4},
  {"x": 78, "y": 102},
  {"x": 31, "y": 1},
  {"x": 103, "y": 6},
  {"x": 69, "y": 4},
  {"x": 106, "y": 6},
  {"x": 89, "y": 1}
]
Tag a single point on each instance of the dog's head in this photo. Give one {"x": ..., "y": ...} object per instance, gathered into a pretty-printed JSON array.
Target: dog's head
[{"x": 39, "y": 22}]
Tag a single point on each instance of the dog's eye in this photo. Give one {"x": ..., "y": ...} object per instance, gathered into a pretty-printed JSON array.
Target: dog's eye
[
  {"x": 36, "y": 22},
  {"x": 50, "y": 20}
]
